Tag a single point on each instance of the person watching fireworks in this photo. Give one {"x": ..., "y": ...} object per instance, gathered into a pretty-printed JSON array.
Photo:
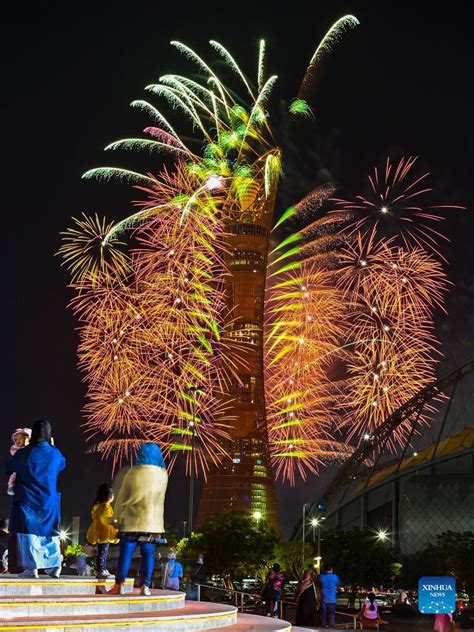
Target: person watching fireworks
[
  {"x": 102, "y": 531},
  {"x": 139, "y": 506}
]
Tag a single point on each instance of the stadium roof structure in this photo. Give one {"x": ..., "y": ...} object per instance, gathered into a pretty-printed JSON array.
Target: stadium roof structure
[
  {"x": 450, "y": 447},
  {"x": 371, "y": 466}
]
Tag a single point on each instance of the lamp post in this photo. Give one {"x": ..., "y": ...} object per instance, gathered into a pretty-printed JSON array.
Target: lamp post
[
  {"x": 318, "y": 564},
  {"x": 63, "y": 539},
  {"x": 319, "y": 543},
  {"x": 382, "y": 535},
  {"x": 192, "y": 427},
  {"x": 64, "y": 535},
  {"x": 191, "y": 479},
  {"x": 316, "y": 522},
  {"x": 303, "y": 535}
]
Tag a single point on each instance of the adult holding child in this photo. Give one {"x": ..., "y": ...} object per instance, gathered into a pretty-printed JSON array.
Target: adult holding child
[{"x": 35, "y": 513}]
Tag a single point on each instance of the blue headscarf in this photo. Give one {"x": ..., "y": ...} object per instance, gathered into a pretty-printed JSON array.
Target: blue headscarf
[{"x": 150, "y": 454}]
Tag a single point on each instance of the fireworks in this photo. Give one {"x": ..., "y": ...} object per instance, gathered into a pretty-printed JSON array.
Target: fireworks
[
  {"x": 147, "y": 339},
  {"x": 304, "y": 329},
  {"x": 326, "y": 45},
  {"x": 154, "y": 324},
  {"x": 87, "y": 254},
  {"x": 160, "y": 347},
  {"x": 302, "y": 337},
  {"x": 393, "y": 280},
  {"x": 391, "y": 294},
  {"x": 396, "y": 206}
]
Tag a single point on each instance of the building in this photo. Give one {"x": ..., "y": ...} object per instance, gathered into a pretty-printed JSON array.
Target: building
[
  {"x": 246, "y": 483},
  {"x": 416, "y": 498},
  {"x": 423, "y": 492}
]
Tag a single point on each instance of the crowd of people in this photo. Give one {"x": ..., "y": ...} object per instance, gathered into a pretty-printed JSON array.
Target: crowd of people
[
  {"x": 30, "y": 539},
  {"x": 128, "y": 512},
  {"x": 315, "y": 599},
  {"x": 315, "y": 596}
]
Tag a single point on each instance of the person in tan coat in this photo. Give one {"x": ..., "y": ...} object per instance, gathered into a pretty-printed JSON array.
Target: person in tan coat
[{"x": 140, "y": 492}]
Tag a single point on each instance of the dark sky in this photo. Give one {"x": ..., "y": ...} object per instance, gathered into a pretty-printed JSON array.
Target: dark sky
[{"x": 401, "y": 82}]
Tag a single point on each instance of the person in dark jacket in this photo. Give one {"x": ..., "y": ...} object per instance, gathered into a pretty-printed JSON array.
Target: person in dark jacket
[
  {"x": 307, "y": 600},
  {"x": 272, "y": 592},
  {"x": 199, "y": 572},
  {"x": 35, "y": 512}
]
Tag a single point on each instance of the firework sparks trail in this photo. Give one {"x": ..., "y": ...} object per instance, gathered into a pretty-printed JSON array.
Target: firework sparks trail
[{"x": 396, "y": 206}]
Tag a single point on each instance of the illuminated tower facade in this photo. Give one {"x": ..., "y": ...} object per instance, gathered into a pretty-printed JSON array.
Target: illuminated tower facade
[{"x": 246, "y": 482}]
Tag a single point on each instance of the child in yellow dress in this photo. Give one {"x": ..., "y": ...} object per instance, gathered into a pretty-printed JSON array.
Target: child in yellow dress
[{"x": 102, "y": 531}]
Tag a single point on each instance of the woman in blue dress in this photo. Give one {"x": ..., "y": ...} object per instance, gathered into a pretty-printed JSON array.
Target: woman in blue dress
[{"x": 36, "y": 513}]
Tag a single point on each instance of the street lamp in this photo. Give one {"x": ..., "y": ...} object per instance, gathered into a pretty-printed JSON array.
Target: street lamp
[
  {"x": 318, "y": 564},
  {"x": 63, "y": 539},
  {"x": 257, "y": 515},
  {"x": 63, "y": 535},
  {"x": 316, "y": 522},
  {"x": 382, "y": 535},
  {"x": 192, "y": 427}
]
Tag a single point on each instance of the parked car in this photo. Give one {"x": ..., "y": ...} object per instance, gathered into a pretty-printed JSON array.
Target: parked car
[{"x": 462, "y": 601}]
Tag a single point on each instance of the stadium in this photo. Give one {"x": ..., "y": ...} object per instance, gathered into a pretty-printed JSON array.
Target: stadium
[{"x": 420, "y": 493}]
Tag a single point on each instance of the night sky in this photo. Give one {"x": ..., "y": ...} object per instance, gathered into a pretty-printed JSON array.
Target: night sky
[{"x": 402, "y": 82}]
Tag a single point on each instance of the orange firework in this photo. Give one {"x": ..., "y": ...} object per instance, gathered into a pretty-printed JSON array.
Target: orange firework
[
  {"x": 347, "y": 320},
  {"x": 155, "y": 326},
  {"x": 305, "y": 327},
  {"x": 397, "y": 206},
  {"x": 148, "y": 338},
  {"x": 391, "y": 293}
]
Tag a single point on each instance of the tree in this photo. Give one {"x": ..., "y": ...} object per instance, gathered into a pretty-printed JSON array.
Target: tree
[
  {"x": 359, "y": 558},
  {"x": 188, "y": 549},
  {"x": 72, "y": 552},
  {"x": 427, "y": 562},
  {"x": 289, "y": 556},
  {"x": 172, "y": 536},
  {"x": 457, "y": 553},
  {"x": 452, "y": 553},
  {"x": 233, "y": 545}
]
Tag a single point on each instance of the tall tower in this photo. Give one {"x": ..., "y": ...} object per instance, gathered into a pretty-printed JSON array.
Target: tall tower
[{"x": 246, "y": 482}]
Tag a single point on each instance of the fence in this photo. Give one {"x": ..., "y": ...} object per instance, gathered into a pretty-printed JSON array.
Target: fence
[{"x": 238, "y": 598}]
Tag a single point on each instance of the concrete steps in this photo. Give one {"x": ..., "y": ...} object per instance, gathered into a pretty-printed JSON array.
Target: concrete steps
[
  {"x": 253, "y": 623},
  {"x": 12, "y": 586},
  {"x": 298, "y": 629},
  {"x": 72, "y": 603},
  {"x": 77, "y": 605},
  {"x": 194, "y": 616}
]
